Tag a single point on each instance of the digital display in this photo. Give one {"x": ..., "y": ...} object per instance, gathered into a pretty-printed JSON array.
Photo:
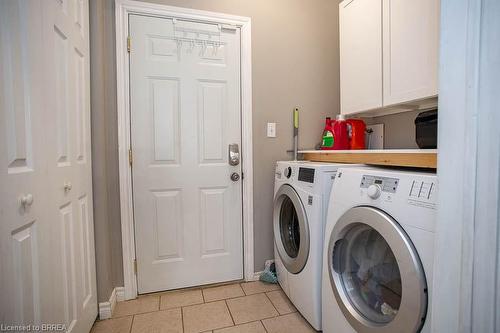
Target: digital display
[
  {"x": 306, "y": 175},
  {"x": 378, "y": 181}
]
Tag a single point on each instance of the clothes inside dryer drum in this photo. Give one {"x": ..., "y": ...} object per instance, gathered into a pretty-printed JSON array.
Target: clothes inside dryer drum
[
  {"x": 371, "y": 276},
  {"x": 289, "y": 228}
]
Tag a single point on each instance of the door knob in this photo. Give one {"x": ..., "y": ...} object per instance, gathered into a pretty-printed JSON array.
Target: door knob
[
  {"x": 26, "y": 200},
  {"x": 67, "y": 186},
  {"x": 235, "y": 177}
]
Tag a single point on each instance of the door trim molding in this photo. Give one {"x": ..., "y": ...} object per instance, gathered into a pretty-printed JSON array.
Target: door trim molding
[
  {"x": 467, "y": 260},
  {"x": 122, "y": 10}
]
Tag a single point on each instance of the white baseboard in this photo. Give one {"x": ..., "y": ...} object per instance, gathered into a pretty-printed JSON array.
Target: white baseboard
[
  {"x": 256, "y": 276},
  {"x": 106, "y": 308},
  {"x": 120, "y": 294}
]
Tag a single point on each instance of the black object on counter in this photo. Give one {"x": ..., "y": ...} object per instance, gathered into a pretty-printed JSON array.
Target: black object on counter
[{"x": 426, "y": 129}]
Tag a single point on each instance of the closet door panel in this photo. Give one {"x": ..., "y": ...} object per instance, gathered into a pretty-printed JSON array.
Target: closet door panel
[
  {"x": 69, "y": 164},
  {"x": 24, "y": 229},
  {"x": 47, "y": 265}
]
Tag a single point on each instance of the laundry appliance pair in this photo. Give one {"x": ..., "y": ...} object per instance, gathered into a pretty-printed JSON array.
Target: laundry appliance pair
[{"x": 354, "y": 245}]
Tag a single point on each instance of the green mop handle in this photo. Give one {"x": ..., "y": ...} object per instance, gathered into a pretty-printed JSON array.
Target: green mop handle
[{"x": 295, "y": 132}]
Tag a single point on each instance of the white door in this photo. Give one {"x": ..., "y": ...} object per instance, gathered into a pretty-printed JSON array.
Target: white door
[
  {"x": 24, "y": 279},
  {"x": 185, "y": 112},
  {"x": 411, "y": 49},
  {"x": 67, "y": 80},
  {"x": 48, "y": 260},
  {"x": 360, "y": 55}
]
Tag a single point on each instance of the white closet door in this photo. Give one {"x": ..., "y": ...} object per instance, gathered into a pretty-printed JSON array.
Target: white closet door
[
  {"x": 185, "y": 111},
  {"x": 48, "y": 261},
  {"x": 66, "y": 47},
  {"x": 25, "y": 280}
]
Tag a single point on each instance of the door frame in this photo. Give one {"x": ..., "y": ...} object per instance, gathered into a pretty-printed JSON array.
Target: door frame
[
  {"x": 466, "y": 295},
  {"x": 122, "y": 10}
]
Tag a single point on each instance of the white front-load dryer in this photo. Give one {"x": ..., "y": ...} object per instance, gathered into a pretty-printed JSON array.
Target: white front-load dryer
[
  {"x": 301, "y": 194},
  {"x": 378, "y": 252}
]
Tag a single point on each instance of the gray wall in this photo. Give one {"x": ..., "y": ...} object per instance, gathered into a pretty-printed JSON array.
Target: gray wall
[
  {"x": 399, "y": 129},
  {"x": 295, "y": 62},
  {"x": 107, "y": 228}
]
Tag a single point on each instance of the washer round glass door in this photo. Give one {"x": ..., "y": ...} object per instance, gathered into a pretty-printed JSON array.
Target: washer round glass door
[
  {"x": 375, "y": 273},
  {"x": 291, "y": 231}
]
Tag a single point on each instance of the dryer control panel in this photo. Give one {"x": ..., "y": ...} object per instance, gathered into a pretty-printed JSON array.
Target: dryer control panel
[
  {"x": 386, "y": 184},
  {"x": 422, "y": 189}
]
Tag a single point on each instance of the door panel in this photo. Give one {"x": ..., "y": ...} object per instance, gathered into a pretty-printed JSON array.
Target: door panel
[
  {"x": 17, "y": 105},
  {"x": 166, "y": 117},
  {"x": 360, "y": 55},
  {"x": 87, "y": 250},
  {"x": 212, "y": 212},
  {"x": 47, "y": 240},
  {"x": 185, "y": 111},
  {"x": 60, "y": 43},
  {"x": 69, "y": 164},
  {"x": 26, "y": 273},
  {"x": 211, "y": 96},
  {"x": 23, "y": 229},
  {"x": 411, "y": 49},
  {"x": 168, "y": 225},
  {"x": 68, "y": 273}
]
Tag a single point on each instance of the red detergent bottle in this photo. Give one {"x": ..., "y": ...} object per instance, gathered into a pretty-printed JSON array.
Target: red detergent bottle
[
  {"x": 340, "y": 133},
  {"x": 356, "y": 129},
  {"x": 327, "y": 142}
]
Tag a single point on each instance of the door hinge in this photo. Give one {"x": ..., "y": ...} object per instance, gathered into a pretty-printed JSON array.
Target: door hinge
[
  {"x": 242, "y": 175},
  {"x": 130, "y": 157},
  {"x": 128, "y": 44},
  {"x": 135, "y": 266}
]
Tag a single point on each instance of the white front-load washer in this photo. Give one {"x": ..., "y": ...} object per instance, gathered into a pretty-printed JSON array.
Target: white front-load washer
[
  {"x": 301, "y": 194},
  {"x": 378, "y": 252}
]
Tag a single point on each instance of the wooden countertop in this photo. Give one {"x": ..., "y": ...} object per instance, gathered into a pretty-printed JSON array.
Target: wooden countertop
[{"x": 416, "y": 158}]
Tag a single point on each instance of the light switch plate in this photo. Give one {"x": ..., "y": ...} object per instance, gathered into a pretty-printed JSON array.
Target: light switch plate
[{"x": 271, "y": 130}]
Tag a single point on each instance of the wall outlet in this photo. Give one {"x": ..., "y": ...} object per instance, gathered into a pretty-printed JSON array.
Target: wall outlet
[{"x": 271, "y": 130}]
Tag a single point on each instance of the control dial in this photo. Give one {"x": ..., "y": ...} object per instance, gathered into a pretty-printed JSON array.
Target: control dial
[
  {"x": 373, "y": 191},
  {"x": 288, "y": 172}
]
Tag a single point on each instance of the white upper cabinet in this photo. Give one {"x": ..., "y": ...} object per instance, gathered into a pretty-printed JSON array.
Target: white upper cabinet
[
  {"x": 410, "y": 50},
  {"x": 388, "y": 54},
  {"x": 360, "y": 55}
]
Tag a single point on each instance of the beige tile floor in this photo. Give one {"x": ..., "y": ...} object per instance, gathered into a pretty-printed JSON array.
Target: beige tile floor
[{"x": 249, "y": 307}]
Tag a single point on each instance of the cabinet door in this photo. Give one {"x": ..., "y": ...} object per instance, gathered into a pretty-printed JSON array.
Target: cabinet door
[
  {"x": 360, "y": 55},
  {"x": 411, "y": 38}
]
